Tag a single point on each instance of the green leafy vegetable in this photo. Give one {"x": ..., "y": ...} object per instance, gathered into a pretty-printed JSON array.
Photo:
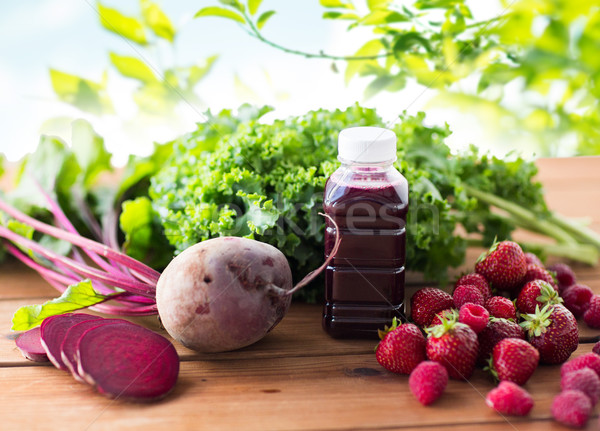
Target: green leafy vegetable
[{"x": 76, "y": 297}]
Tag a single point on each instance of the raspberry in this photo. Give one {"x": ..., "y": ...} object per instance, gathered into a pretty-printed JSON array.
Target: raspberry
[
  {"x": 596, "y": 348},
  {"x": 501, "y": 307},
  {"x": 584, "y": 380},
  {"x": 536, "y": 272},
  {"x": 532, "y": 258},
  {"x": 592, "y": 314},
  {"x": 564, "y": 275},
  {"x": 428, "y": 381},
  {"x": 571, "y": 408},
  {"x": 577, "y": 299},
  {"x": 589, "y": 360},
  {"x": 508, "y": 398},
  {"x": 476, "y": 280},
  {"x": 474, "y": 315},
  {"x": 467, "y": 293}
]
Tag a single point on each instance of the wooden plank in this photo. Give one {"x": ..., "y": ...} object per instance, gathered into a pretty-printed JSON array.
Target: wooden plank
[{"x": 326, "y": 393}]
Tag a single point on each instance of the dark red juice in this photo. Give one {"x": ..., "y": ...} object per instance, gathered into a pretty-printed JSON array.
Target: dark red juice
[{"x": 364, "y": 287}]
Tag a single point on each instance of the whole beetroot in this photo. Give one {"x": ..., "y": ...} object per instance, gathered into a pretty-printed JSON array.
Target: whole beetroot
[{"x": 224, "y": 293}]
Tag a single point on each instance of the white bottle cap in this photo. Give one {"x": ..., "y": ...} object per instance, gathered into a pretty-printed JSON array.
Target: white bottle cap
[{"x": 366, "y": 145}]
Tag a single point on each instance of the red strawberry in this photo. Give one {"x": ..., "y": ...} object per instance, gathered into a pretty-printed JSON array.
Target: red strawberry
[
  {"x": 475, "y": 316},
  {"x": 577, "y": 298},
  {"x": 514, "y": 359},
  {"x": 536, "y": 293},
  {"x": 572, "y": 408},
  {"x": 564, "y": 275},
  {"x": 592, "y": 314},
  {"x": 449, "y": 313},
  {"x": 588, "y": 360},
  {"x": 535, "y": 272},
  {"x": 496, "y": 330},
  {"x": 401, "y": 349},
  {"x": 428, "y": 381},
  {"x": 510, "y": 399},
  {"x": 503, "y": 265},
  {"x": 455, "y": 346},
  {"x": 467, "y": 293},
  {"x": 476, "y": 280},
  {"x": 501, "y": 307},
  {"x": 585, "y": 380},
  {"x": 553, "y": 331},
  {"x": 532, "y": 258},
  {"x": 426, "y": 302}
]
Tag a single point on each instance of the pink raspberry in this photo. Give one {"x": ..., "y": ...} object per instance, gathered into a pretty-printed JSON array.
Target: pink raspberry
[
  {"x": 587, "y": 360},
  {"x": 428, "y": 381},
  {"x": 508, "y": 398},
  {"x": 501, "y": 307},
  {"x": 564, "y": 275},
  {"x": 584, "y": 380},
  {"x": 577, "y": 298},
  {"x": 475, "y": 316},
  {"x": 592, "y": 314},
  {"x": 476, "y": 280},
  {"x": 467, "y": 293},
  {"x": 571, "y": 408}
]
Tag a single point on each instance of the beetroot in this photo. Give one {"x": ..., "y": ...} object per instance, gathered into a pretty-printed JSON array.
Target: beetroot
[
  {"x": 53, "y": 330},
  {"x": 68, "y": 348},
  {"x": 127, "y": 361},
  {"x": 30, "y": 345}
]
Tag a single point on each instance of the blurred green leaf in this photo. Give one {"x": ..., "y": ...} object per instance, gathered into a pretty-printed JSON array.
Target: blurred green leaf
[
  {"x": 90, "y": 152},
  {"x": 253, "y": 6},
  {"x": 340, "y": 15},
  {"x": 86, "y": 95},
  {"x": 220, "y": 12},
  {"x": 196, "y": 73},
  {"x": 157, "y": 20},
  {"x": 234, "y": 4},
  {"x": 335, "y": 3},
  {"x": 156, "y": 99},
  {"x": 262, "y": 19},
  {"x": 133, "y": 68},
  {"x": 380, "y": 17},
  {"x": 378, "y": 84},
  {"x": 371, "y": 48},
  {"x": 378, "y": 4},
  {"x": 125, "y": 26}
]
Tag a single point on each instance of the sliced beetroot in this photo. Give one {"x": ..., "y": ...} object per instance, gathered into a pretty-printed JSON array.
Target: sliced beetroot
[
  {"x": 53, "y": 330},
  {"x": 30, "y": 345},
  {"x": 68, "y": 348},
  {"x": 127, "y": 361}
]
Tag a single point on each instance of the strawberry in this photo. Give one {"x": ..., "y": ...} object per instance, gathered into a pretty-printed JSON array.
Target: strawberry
[
  {"x": 428, "y": 381},
  {"x": 402, "y": 347},
  {"x": 577, "y": 298},
  {"x": 496, "y": 330},
  {"x": 455, "y": 346},
  {"x": 503, "y": 265},
  {"x": 514, "y": 359},
  {"x": 475, "y": 316},
  {"x": 588, "y": 360},
  {"x": 449, "y": 313},
  {"x": 585, "y": 380},
  {"x": 501, "y": 307},
  {"x": 564, "y": 275},
  {"x": 553, "y": 331},
  {"x": 535, "y": 272},
  {"x": 571, "y": 408},
  {"x": 532, "y": 258},
  {"x": 425, "y": 303},
  {"x": 476, "y": 280},
  {"x": 536, "y": 293},
  {"x": 467, "y": 293},
  {"x": 592, "y": 314},
  {"x": 510, "y": 399}
]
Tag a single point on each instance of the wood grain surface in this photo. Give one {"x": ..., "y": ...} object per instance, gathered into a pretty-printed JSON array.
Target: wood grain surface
[{"x": 297, "y": 378}]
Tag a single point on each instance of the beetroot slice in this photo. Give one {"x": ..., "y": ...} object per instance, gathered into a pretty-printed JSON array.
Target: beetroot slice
[
  {"x": 30, "y": 345},
  {"x": 127, "y": 361},
  {"x": 68, "y": 348},
  {"x": 53, "y": 330}
]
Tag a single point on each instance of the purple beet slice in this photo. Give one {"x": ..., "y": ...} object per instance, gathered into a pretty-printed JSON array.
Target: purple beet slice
[
  {"x": 68, "y": 348},
  {"x": 53, "y": 330},
  {"x": 30, "y": 345},
  {"x": 127, "y": 361}
]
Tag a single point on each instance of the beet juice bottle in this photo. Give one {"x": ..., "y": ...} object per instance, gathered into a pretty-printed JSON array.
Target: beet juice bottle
[{"x": 368, "y": 199}]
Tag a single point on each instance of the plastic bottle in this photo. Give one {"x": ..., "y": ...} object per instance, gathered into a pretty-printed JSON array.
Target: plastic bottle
[{"x": 368, "y": 199}]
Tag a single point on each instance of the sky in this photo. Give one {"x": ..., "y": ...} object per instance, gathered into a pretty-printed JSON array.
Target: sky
[{"x": 66, "y": 35}]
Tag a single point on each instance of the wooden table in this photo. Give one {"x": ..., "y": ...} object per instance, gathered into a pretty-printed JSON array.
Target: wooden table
[{"x": 296, "y": 378}]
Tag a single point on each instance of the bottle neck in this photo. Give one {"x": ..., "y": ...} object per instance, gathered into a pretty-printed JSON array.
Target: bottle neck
[{"x": 367, "y": 167}]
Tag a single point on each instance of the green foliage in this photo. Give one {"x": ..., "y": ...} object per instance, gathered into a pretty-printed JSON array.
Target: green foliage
[
  {"x": 75, "y": 297},
  {"x": 157, "y": 20},
  {"x": 83, "y": 93},
  {"x": 220, "y": 12},
  {"x": 125, "y": 26}
]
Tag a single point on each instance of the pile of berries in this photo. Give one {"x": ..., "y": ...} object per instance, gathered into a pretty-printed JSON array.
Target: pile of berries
[{"x": 509, "y": 315}]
